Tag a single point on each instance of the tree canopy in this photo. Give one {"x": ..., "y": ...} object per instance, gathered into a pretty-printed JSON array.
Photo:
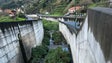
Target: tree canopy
[{"x": 57, "y": 56}]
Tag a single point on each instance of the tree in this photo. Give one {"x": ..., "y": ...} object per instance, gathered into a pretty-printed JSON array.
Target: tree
[
  {"x": 11, "y": 5},
  {"x": 95, "y": 1},
  {"x": 58, "y": 38},
  {"x": 39, "y": 53},
  {"x": 49, "y": 25},
  {"x": 57, "y": 56},
  {"x": 46, "y": 38}
]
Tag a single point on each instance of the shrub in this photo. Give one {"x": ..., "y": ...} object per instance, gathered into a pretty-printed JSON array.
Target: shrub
[
  {"x": 39, "y": 53},
  {"x": 57, "y": 56}
]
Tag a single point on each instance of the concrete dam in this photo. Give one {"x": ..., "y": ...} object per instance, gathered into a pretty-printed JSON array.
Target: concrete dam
[
  {"x": 18, "y": 38},
  {"x": 92, "y": 43},
  {"x": 89, "y": 44}
]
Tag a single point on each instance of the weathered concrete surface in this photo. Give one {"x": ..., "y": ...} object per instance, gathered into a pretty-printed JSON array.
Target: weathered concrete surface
[
  {"x": 71, "y": 39},
  {"x": 30, "y": 31},
  {"x": 100, "y": 23},
  {"x": 92, "y": 44}
]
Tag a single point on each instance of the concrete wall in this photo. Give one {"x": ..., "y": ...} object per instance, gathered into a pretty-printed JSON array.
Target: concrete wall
[
  {"x": 70, "y": 38},
  {"x": 92, "y": 44},
  {"x": 31, "y": 33},
  {"x": 100, "y": 24}
]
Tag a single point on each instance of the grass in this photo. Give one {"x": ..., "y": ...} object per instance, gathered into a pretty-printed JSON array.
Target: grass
[{"x": 9, "y": 19}]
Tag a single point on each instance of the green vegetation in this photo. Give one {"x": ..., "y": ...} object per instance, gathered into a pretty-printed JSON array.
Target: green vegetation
[
  {"x": 99, "y": 4},
  {"x": 9, "y": 19},
  {"x": 92, "y": 5},
  {"x": 46, "y": 38},
  {"x": 57, "y": 56},
  {"x": 49, "y": 25},
  {"x": 58, "y": 38},
  {"x": 41, "y": 54},
  {"x": 11, "y": 4},
  {"x": 54, "y": 7},
  {"x": 58, "y": 11}
]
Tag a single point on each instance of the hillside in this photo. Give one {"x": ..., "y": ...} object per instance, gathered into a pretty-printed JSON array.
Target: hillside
[
  {"x": 51, "y": 6},
  {"x": 36, "y": 6},
  {"x": 54, "y": 6},
  {"x": 42, "y": 6}
]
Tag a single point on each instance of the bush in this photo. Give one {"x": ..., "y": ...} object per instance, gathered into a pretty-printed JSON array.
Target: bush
[
  {"x": 39, "y": 53},
  {"x": 46, "y": 38},
  {"x": 58, "y": 38},
  {"x": 21, "y": 15},
  {"x": 57, "y": 56},
  {"x": 49, "y": 25}
]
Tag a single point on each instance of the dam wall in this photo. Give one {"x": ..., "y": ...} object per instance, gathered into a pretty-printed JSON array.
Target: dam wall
[
  {"x": 18, "y": 38},
  {"x": 92, "y": 43}
]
